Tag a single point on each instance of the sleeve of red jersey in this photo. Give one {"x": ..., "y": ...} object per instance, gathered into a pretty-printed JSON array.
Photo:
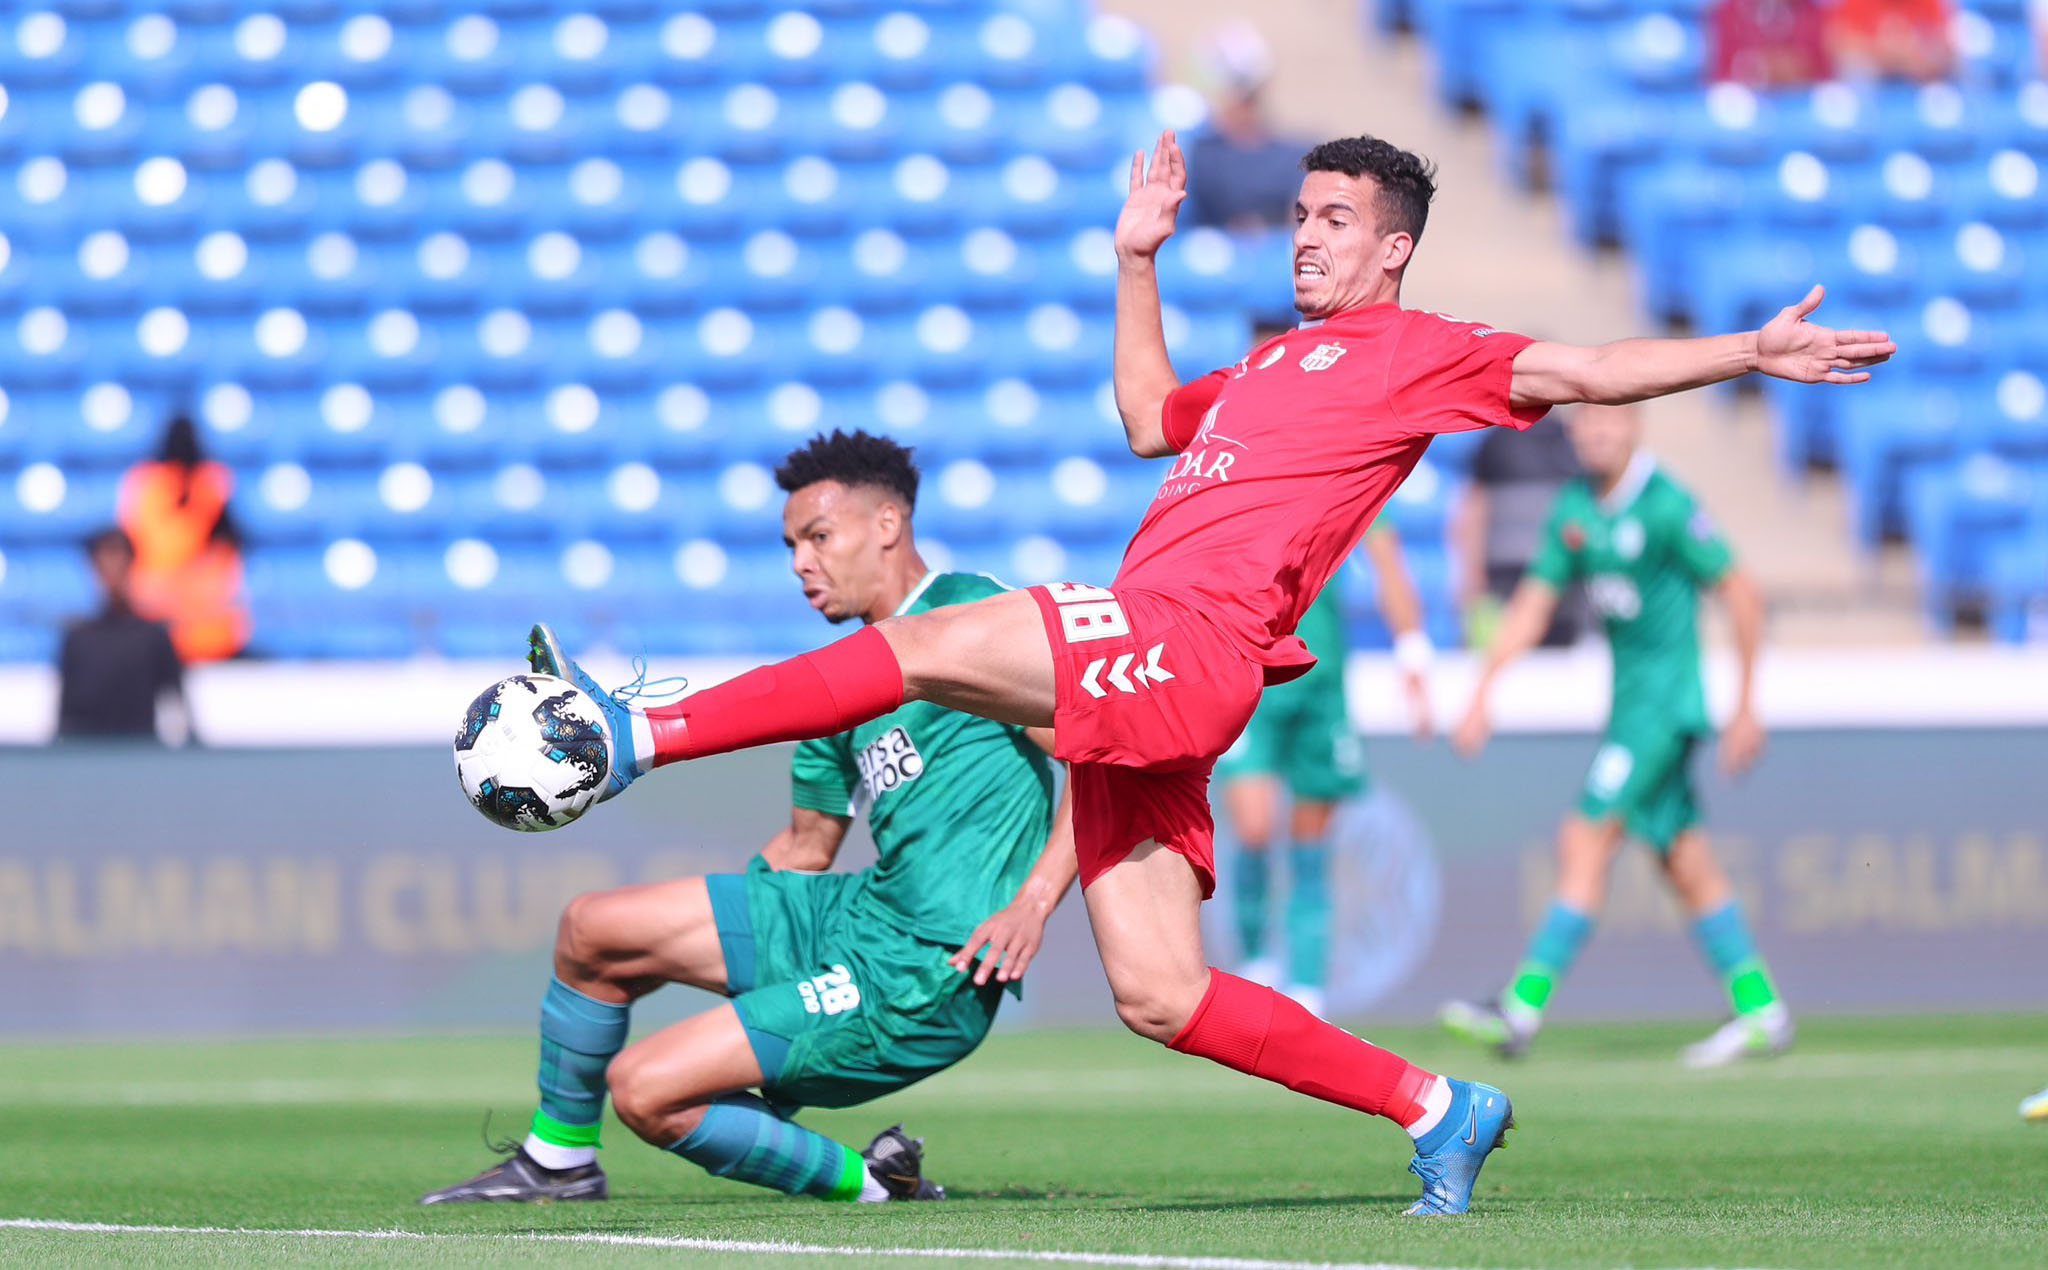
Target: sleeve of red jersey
[
  {"x": 1451, "y": 376},
  {"x": 1181, "y": 416}
]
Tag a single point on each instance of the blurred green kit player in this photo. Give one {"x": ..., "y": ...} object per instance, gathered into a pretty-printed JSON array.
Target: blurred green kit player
[
  {"x": 1301, "y": 742},
  {"x": 1644, "y": 551},
  {"x": 844, "y": 986}
]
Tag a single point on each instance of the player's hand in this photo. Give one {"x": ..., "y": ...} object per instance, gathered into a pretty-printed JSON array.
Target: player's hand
[
  {"x": 1742, "y": 742},
  {"x": 1790, "y": 347},
  {"x": 1474, "y": 730},
  {"x": 1011, "y": 935},
  {"x": 1157, "y": 191},
  {"x": 1416, "y": 685}
]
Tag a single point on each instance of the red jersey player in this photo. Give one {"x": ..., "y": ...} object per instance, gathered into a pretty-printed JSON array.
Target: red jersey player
[{"x": 1278, "y": 465}]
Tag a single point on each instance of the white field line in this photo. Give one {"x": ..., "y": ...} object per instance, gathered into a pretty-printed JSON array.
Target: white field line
[
  {"x": 734, "y": 1246},
  {"x": 1124, "y": 1088}
]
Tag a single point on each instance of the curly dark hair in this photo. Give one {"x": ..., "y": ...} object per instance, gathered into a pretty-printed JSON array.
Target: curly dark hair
[
  {"x": 852, "y": 458},
  {"x": 1407, "y": 181}
]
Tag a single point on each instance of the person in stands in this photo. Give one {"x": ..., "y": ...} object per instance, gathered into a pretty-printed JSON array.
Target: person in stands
[
  {"x": 188, "y": 557},
  {"x": 115, "y": 668}
]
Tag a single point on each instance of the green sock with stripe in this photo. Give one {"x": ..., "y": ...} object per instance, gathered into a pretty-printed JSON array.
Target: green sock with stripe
[
  {"x": 741, "y": 1138},
  {"x": 579, "y": 1036},
  {"x": 1552, "y": 950},
  {"x": 1724, "y": 937}
]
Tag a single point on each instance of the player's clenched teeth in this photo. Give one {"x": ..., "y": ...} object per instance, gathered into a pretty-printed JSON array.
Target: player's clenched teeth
[{"x": 1307, "y": 269}]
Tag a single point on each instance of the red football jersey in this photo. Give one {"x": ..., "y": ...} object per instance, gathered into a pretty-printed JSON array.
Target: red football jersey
[{"x": 1285, "y": 458}]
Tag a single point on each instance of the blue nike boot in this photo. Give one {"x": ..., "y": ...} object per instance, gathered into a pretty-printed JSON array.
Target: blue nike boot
[
  {"x": 544, "y": 653},
  {"x": 1448, "y": 1157}
]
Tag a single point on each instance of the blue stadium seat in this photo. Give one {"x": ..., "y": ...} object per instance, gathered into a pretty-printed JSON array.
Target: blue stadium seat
[
  {"x": 1958, "y": 516},
  {"x": 42, "y": 503},
  {"x": 2016, "y": 582},
  {"x": 42, "y": 587}
]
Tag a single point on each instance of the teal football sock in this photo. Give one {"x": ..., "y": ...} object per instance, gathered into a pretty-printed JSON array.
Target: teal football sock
[
  {"x": 1723, "y": 936},
  {"x": 1251, "y": 893},
  {"x": 1308, "y": 915},
  {"x": 579, "y": 1036},
  {"x": 742, "y": 1139},
  {"x": 1552, "y": 950}
]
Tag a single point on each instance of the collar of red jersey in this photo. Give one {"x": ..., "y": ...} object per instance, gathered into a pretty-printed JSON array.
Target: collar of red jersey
[{"x": 1311, "y": 323}]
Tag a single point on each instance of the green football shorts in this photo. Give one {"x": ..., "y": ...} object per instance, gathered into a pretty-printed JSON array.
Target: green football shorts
[
  {"x": 840, "y": 1008},
  {"x": 1302, "y": 735},
  {"x": 1642, "y": 776}
]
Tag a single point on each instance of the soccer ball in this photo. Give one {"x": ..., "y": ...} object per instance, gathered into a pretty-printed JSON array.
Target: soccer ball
[{"x": 533, "y": 752}]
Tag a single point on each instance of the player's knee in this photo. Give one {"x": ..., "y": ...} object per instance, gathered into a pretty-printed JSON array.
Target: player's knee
[
  {"x": 1156, "y": 1015},
  {"x": 638, "y": 1099},
  {"x": 579, "y": 940},
  {"x": 917, "y": 639}
]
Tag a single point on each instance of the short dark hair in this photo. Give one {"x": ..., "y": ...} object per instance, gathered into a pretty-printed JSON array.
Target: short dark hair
[
  {"x": 111, "y": 536},
  {"x": 852, "y": 458},
  {"x": 1407, "y": 181}
]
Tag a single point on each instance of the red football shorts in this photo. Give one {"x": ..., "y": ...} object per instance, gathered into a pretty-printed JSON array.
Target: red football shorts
[{"x": 1148, "y": 694}]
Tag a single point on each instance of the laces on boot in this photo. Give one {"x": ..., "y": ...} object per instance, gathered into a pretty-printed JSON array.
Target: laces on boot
[{"x": 640, "y": 689}]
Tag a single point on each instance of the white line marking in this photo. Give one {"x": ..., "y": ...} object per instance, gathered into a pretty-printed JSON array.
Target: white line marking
[{"x": 761, "y": 1247}]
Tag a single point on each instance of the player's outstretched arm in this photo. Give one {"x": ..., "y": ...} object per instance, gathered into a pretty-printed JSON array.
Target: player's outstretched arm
[
  {"x": 1143, "y": 371},
  {"x": 810, "y": 843},
  {"x": 1788, "y": 347},
  {"x": 1012, "y": 935},
  {"x": 1742, "y": 740},
  {"x": 1521, "y": 628},
  {"x": 1401, "y": 609}
]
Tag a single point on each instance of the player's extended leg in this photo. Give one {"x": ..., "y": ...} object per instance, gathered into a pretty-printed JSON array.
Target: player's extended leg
[
  {"x": 1308, "y": 901},
  {"x": 1252, "y": 804},
  {"x": 611, "y": 948},
  {"x": 1146, "y": 915},
  {"x": 1761, "y": 1024},
  {"x": 1585, "y": 852},
  {"x": 990, "y": 658},
  {"x": 684, "y": 1089}
]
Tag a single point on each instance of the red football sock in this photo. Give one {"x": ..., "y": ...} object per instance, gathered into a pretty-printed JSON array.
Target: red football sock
[
  {"x": 1251, "y": 1028},
  {"x": 817, "y": 694}
]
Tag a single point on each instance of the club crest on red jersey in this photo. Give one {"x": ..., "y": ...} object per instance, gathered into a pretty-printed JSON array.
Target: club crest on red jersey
[{"x": 1323, "y": 357}]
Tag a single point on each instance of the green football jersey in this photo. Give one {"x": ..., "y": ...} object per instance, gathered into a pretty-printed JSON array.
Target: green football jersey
[
  {"x": 959, "y": 806},
  {"x": 1644, "y": 553}
]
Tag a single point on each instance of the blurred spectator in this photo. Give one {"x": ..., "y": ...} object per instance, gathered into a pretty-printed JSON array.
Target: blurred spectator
[
  {"x": 115, "y": 667},
  {"x": 1494, "y": 531},
  {"x": 188, "y": 559},
  {"x": 1892, "y": 39},
  {"x": 1768, "y": 43},
  {"x": 1242, "y": 174}
]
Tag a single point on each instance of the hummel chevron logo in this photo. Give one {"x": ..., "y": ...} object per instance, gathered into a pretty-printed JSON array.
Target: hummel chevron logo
[{"x": 1124, "y": 676}]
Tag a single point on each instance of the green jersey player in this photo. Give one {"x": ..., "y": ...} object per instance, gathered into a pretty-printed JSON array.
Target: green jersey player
[
  {"x": 1301, "y": 744},
  {"x": 843, "y": 986},
  {"x": 1644, "y": 550}
]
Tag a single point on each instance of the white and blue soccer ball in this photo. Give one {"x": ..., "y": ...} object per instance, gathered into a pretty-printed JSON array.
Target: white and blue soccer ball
[{"x": 533, "y": 752}]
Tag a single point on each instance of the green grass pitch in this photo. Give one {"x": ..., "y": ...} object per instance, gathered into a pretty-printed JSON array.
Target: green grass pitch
[{"x": 1880, "y": 1142}]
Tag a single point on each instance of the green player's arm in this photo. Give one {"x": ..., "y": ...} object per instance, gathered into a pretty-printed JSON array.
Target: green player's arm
[
  {"x": 1521, "y": 628},
  {"x": 1401, "y": 608},
  {"x": 1013, "y": 933},
  {"x": 1053, "y": 876},
  {"x": 1787, "y": 347},
  {"x": 1742, "y": 740},
  {"x": 810, "y": 843}
]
